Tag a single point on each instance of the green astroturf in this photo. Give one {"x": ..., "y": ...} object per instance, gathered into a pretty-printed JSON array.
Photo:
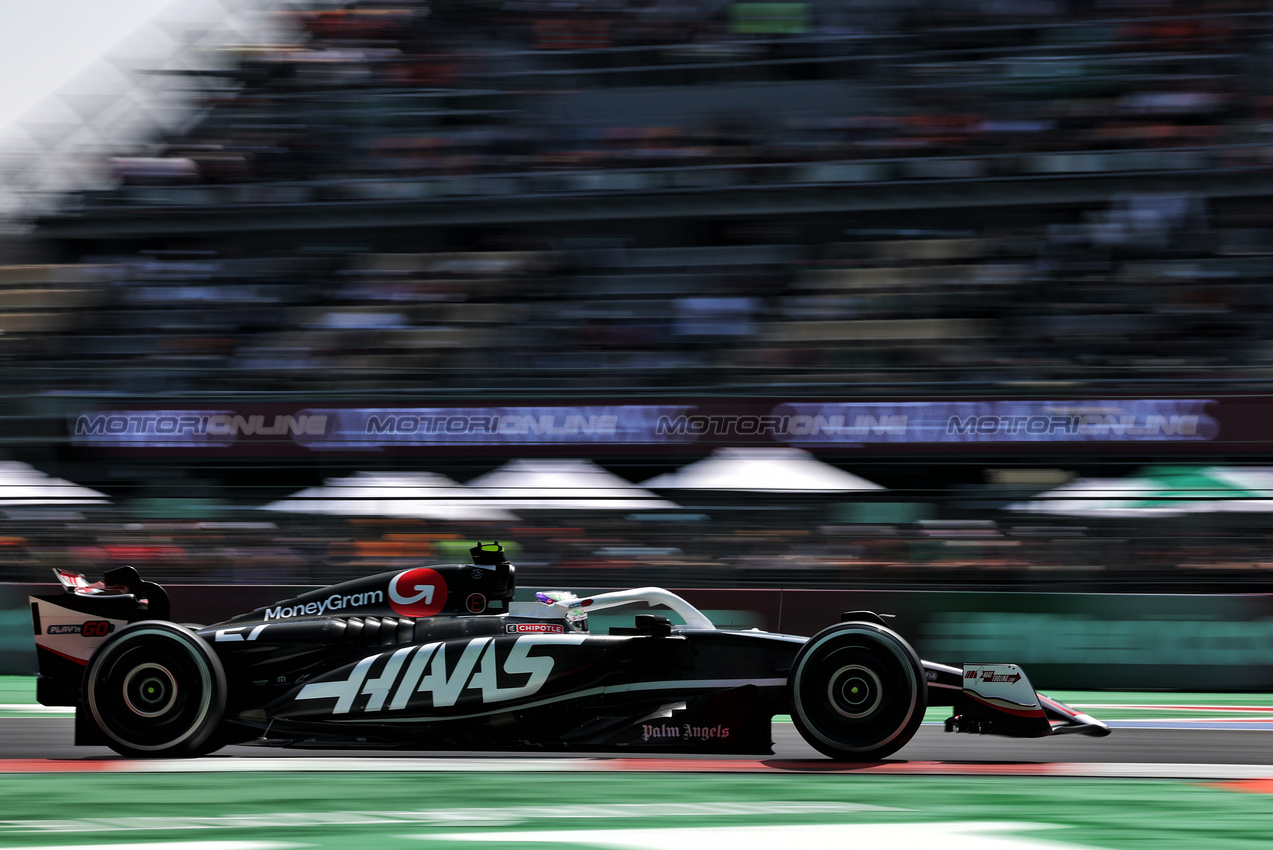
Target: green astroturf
[{"x": 413, "y": 810}]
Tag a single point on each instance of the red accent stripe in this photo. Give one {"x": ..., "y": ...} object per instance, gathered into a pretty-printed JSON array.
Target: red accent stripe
[
  {"x": 1057, "y": 706},
  {"x": 685, "y": 765},
  {"x": 1207, "y": 721},
  {"x": 1260, "y": 709},
  {"x": 1247, "y": 786},
  {"x": 83, "y": 662},
  {"x": 810, "y": 766},
  {"x": 819, "y": 766},
  {"x": 57, "y": 765}
]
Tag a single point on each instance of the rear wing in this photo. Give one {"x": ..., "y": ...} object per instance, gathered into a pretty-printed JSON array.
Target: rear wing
[{"x": 69, "y": 626}]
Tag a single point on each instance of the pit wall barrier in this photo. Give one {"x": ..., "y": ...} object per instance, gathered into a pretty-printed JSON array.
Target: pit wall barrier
[{"x": 1063, "y": 640}]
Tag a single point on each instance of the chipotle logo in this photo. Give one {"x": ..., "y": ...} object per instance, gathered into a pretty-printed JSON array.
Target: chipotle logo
[{"x": 534, "y": 629}]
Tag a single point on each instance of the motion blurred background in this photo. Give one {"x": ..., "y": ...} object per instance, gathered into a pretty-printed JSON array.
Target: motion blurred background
[{"x": 969, "y": 294}]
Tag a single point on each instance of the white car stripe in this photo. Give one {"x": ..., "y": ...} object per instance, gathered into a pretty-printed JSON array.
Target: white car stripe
[{"x": 675, "y": 684}]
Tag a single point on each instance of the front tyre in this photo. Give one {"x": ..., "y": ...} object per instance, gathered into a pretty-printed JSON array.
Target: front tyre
[
  {"x": 858, "y": 692},
  {"x": 156, "y": 689}
]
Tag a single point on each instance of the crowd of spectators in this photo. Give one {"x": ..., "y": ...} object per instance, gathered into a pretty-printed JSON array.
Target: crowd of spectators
[
  {"x": 438, "y": 100},
  {"x": 709, "y": 551},
  {"x": 1150, "y": 288},
  {"x": 453, "y": 99}
]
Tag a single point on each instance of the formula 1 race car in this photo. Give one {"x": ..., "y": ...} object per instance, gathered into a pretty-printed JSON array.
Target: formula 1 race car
[{"x": 442, "y": 658}]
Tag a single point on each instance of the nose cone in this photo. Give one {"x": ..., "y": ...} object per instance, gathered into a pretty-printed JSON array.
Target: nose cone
[{"x": 1092, "y": 726}]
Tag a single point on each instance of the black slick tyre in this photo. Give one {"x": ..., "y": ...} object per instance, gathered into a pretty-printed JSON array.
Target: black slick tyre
[
  {"x": 155, "y": 689},
  {"x": 858, "y": 692}
]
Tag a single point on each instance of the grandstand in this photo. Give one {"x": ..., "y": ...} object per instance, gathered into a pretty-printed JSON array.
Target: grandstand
[{"x": 677, "y": 202}]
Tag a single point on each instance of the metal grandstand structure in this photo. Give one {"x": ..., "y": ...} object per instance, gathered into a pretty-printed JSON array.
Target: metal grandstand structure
[{"x": 148, "y": 85}]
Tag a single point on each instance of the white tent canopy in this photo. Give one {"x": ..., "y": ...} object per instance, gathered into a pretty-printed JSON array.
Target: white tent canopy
[
  {"x": 1111, "y": 497},
  {"x": 762, "y": 470},
  {"x": 418, "y": 495},
  {"x": 563, "y": 484},
  {"x": 1166, "y": 491},
  {"x": 22, "y": 484}
]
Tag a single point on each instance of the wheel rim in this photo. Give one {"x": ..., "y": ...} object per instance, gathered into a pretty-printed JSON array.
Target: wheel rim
[
  {"x": 854, "y": 691},
  {"x": 150, "y": 690}
]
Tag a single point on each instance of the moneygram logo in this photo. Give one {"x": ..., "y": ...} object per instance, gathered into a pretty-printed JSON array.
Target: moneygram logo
[
  {"x": 420, "y": 592},
  {"x": 335, "y": 602}
]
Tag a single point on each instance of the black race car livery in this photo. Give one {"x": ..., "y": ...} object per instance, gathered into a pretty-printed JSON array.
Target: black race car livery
[{"x": 441, "y": 657}]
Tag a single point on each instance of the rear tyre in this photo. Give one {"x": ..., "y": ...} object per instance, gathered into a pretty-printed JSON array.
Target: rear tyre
[
  {"x": 156, "y": 689},
  {"x": 858, "y": 692}
]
